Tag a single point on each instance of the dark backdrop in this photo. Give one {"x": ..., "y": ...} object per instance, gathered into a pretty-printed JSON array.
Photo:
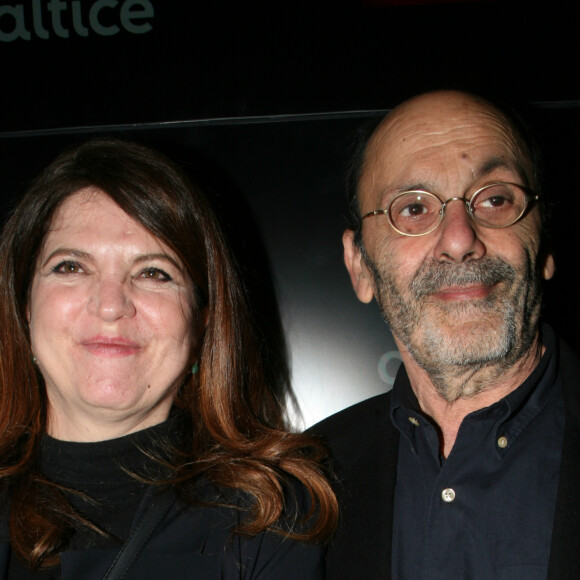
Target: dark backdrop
[{"x": 261, "y": 106}]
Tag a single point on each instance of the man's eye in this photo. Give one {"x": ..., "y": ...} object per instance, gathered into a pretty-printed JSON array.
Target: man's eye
[
  {"x": 494, "y": 201},
  {"x": 413, "y": 210},
  {"x": 155, "y": 274},
  {"x": 67, "y": 267}
]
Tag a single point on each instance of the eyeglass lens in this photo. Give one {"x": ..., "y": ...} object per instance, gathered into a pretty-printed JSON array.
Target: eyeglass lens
[{"x": 495, "y": 206}]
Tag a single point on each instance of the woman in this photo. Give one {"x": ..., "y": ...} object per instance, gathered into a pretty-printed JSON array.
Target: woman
[{"x": 134, "y": 418}]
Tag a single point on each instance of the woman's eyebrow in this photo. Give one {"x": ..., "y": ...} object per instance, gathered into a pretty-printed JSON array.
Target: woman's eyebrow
[
  {"x": 140, "y": 258},
  {"x": 71, "y": 252},
  {"x": 157, "y": 256}
]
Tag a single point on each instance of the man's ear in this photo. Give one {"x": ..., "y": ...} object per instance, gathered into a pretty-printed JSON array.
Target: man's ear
[
  {"x": 359, "y": 273},
  {"x": 549, "y": 267}
]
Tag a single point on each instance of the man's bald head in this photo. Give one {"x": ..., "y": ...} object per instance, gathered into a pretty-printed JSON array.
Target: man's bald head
[{"x": 416, "y": 118}]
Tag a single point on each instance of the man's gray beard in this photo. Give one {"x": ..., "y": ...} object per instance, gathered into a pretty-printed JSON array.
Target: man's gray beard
[{"x": 450, "y": 360}]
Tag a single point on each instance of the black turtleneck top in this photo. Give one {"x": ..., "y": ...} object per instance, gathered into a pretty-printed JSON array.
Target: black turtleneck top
[
  {"x": 102, "y": 472},
  {"x": 195, "y": 540}
]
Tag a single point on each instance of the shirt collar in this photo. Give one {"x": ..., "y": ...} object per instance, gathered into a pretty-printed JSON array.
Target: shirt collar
[{"x": 511, "y": 414}]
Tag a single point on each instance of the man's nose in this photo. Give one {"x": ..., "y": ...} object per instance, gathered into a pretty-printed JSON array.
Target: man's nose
[
  {"x": 110, "y": 300},
  {"x": 458, "y": 239}
]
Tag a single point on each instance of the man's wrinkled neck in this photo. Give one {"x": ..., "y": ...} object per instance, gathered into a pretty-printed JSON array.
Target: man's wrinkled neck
[{"x": 448, "y": 414}]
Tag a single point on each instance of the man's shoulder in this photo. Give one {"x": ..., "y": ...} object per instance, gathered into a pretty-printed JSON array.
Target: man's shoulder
[
  {"x": 363, "y": 443},
  {"x": 569, "y": 370},
  {"x": 569, "y": 358},
  {"x": 373, "y": 410},
  {"x": 361, "y": 426}
]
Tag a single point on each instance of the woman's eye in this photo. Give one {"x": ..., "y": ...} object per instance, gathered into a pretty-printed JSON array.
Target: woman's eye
[
  {"x": 155, "y": 274},
  {"x": 67, "y": 267}
]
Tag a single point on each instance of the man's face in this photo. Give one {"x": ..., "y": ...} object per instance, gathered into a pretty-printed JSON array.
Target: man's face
[{"x": 462, "y": 296}]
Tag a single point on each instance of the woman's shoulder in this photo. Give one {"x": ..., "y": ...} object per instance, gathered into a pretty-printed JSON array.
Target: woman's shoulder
[
  {"x": 4, "y": 515},
  {"x": 230, "y": 507},
  {"x": 203, "y": 533}
]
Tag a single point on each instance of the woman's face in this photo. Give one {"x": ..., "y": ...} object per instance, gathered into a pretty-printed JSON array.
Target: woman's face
[{"x": 111, "y": 316}]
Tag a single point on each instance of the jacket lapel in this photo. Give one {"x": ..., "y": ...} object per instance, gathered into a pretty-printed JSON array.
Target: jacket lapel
[
  {"x": 4, "y": 559},
  {"x": 564, "y": 560},
  {"x": 365, "y": 448}
]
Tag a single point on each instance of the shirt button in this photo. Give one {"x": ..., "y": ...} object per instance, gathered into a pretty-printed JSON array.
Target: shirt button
[
  {"x": 502, "y": 442},
  {"x": 448, "y": 495},
  {"x": 413, "y": 421}
]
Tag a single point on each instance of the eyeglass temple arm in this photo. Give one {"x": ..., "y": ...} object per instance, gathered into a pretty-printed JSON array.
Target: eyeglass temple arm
[{"x": 374, "y": 212}]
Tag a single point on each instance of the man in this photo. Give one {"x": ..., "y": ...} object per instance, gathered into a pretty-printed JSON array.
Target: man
[{"x": 470, "y": 467}]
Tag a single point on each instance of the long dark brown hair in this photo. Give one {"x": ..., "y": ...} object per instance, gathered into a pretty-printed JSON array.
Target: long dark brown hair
[{"x": 238, "y": 438}]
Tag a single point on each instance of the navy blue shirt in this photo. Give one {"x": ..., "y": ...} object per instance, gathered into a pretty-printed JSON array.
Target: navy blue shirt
[{"x": 487, "y": 511}]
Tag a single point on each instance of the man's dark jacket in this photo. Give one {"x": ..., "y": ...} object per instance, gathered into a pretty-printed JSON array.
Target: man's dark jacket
[{"x": 364, "y": 444}]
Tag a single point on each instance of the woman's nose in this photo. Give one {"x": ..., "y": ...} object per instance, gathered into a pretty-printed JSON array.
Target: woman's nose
[{"x": 110, "y": 301}]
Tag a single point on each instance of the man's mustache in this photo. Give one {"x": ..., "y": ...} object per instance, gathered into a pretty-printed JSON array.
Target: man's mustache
[{"x": 434, "y": 275}]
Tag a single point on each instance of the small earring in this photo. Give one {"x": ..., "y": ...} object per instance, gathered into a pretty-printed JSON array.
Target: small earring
[
  {"x": 195, "y": 368},
  {"x": 34, "y": 360}
]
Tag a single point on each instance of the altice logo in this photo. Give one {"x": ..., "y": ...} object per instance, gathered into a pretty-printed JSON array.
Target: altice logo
[
  {"x": 61, "y": 18},
  {"x": 388, "y": 366}
]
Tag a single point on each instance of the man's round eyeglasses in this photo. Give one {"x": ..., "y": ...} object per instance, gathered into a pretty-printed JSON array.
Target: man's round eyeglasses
[{"x": 495, "y": 205}]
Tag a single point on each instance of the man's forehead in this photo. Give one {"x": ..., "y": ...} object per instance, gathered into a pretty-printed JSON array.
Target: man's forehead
[
  {"x": 438, "y": 119},
  {"x": 448, "y": 122}
]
